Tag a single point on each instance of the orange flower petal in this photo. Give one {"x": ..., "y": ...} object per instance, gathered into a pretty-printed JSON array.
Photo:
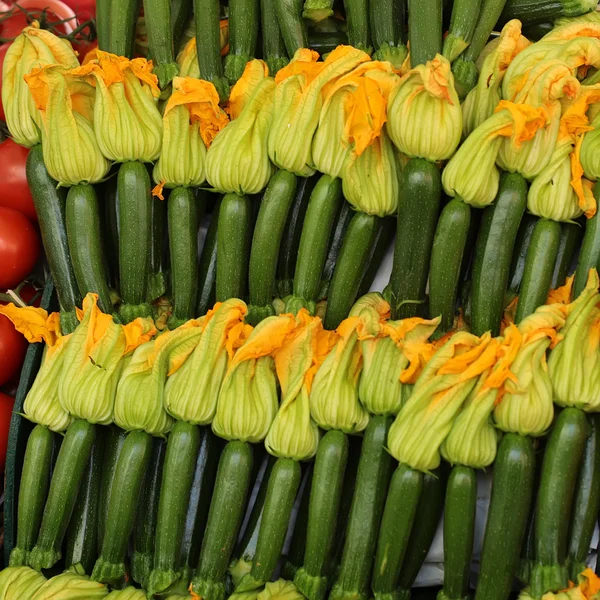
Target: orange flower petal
[{"x": 34, "y": 323}]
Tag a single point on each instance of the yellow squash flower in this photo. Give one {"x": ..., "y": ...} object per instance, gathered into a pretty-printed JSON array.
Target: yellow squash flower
[
  {"x": 237, "y": 160},
  {"x": 20, "y": 583},
  {"x": 127, "y": 121},
  {"x": 129, "y": 593},
  {"x": 32, "y": 49},
  {"x": 273, "y": 590},
  {"x": 71, "y": 586},
  {"x": 567, "y": 28},
  {"x": 187, "y": 60},
  {"x": 471, "y": 174},
  {"x": 299, "y": 98},
  {"x": 424, "y": 114},
  {"x": 590, "y": 150},
  {"x": 191, "y": 120}
]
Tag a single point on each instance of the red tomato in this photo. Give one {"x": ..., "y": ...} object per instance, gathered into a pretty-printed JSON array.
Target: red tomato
[
  {"x": 14, "y": 192},
  {"x": 6, "y": 407},
  {"x": 19, "y": 247},
  {"x": 84, "y": 9},
  {"x": 3, "y": 49},
  {"x": 56, "y": 11}
]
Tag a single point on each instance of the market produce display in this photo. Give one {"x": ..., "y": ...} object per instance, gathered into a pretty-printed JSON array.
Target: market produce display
[{"x": 235, "y": 414}]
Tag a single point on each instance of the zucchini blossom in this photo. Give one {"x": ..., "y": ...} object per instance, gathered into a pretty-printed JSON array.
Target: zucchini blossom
[
  {"x": 481, "y": 101},
  {"x": 187, "y": 60},
  {"x": 293, "y": 433},
  {"x": 139, "y": 403},
  {"x": 66, "y": 107},
  {"x": 191, "y": 120},
  {"x": 129, "y": 593},
  {"x": 566, "y": 28},
  {"x": 426, "y": 419},
  {"x": 471, "y": 173},
  {"x": 127, "y": 121},
  {"x": 302, "y": 87},
  {"x": 590, "y": 151},
  {"x": 424, "y": 114},
  {"x": 248, "y": 398},
  {"x": 71, "y": 586},
  {"x": 192, "y": 389},
  {"x": 273, "y": 590},
  {"x": 42, "y": 404},
  {"x": 20, "y": 583},
  {"x": 33, "y": 48},
  {"x": 574, "y": 364},
  {"x": 95, "y": 360},
  {"x": 237, "y": 160},
  {"x": 526, "y": 407}
]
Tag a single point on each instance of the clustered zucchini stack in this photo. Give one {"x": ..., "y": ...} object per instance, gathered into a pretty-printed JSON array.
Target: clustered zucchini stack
[{"x": 237, "y": 406}]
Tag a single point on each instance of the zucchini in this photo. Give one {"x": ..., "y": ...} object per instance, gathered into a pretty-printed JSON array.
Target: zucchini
[
  {"x": 181, "y": 10},
  {"x": 122, "y": 504},
  {"x": 284, "y": 481},
  {"x": 342, "y": 223},
  {"x": 177, "y": 478},
  {"x": 512, "y": 489},
  {"x": 123, "y": 21},
  {"x": 207, "y": 17},
  {"x": 424, "y": 30},
  {"x": 224, "y": 520},
  {"x": 207, "y": 267},
  {"x": 49, "y": 201},
  {"x": 396, "y": 524},
  {"x": 85, "y": 245},
  {"x": 466, "y": 268},
  {"x": 33, "y": 491},
  {"x": 570, "y": 239},
  {"x": 517, "y": 266},
  {"x": 357, "y": 22},
  {"x": 273, "y": 47},
  {"x": 266, "y": 241},
  {"x": 325, "y": 494},
  {"x": 538, "y": 11},
  {"x": 446, "y": 260},
  {"x": 462, "y": 26},
  {"x": 323, "y": 206},
  {"x": 110, "y": 229},
  {"x": 82, "y": 535},
  {"x": 562, "y": 461},
  {"x": 372, "y": 481},
  {"x": 243, "y": 31},
  {"x": 233, "y": 245},
  {"x": 103, "y": 24},
  {"x": 386, "y": 18},
  {"x": 589, "y": 255},
  {"x": 324, "y": 42},
  {"x": 157, "y": 18},
  {"x": 358, "y": 244},
  {"x": 70, "y": 465},
  {"x": 135, "y": 234},
  {"x": 459, "y": 531},
  {"x": 418, "y": 211},
  {"x": 586, "y": 503},
  {"x": 382, "y": 244},
  {"x": 539, "y": 266},
  {"x": 292, "y": 25},
  {"x": 493, "y": 253},
  {"x": 183, "y": 247},
  {"x": 145, "y": 526},
  {"x": 157, "y": 283}
]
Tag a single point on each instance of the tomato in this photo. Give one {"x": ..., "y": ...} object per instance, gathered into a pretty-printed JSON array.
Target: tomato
[
  {"x": 56, "y": 11},
  {"x": 19, "y": 247},
  {"x": 6, "y": 408},
  {"x": 3, "y": 49},
  {"x": 84, "y": 9},
  {"x": 14, "y": 192}
]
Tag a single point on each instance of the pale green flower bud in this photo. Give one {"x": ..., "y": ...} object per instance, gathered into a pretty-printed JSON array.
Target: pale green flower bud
[
  {"x": 71, "y": 586},
  {"x": 20, "y": 583},
  {"x": 590, "y": 151},
  {"x": 129, "y": 593}
]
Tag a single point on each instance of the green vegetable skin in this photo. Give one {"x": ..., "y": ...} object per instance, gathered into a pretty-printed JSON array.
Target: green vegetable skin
[
  {"x": 589, "y": 257},
  {"x": 243, "y": 33},
  {"x": 424, "y": 30}
]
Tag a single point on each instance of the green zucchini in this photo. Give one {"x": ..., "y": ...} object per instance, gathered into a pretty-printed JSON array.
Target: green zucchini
[
  {"x": 110, "y": 229},
  {"x": 517, "y": 266},
  {"x": 570, "y": 238},
  {"x": 68, "y": 472},
  {"x": 357, "y": 21},
  {"x": 418, "y": 211},
  {"x": 466, "y": 268},
  {"x": 207, "y": 266},
  {"x": 539, "y": 266},
  {"x": 82, "y": 535},
  {"x": 135, "y": 234},
  {"x": 157, "y": 282},
  {"x": 123, "y": 21},
  {"x": 243, "y": 32},
  {"x": 538, "y": 11},
  {"x": 177, "y": 478},
  {"x": 291, "y": 23},
  {"x": 462, "y": 26},
  {"x": 233, "y": 245},
  {"x": 562, "y": 461},
  {"x": 145, "y": 527},
  {"x": 358, "y": 244},
  {"x": 85, "y": 244},
  {"x": 224, "y": 520},
  {"x": 33, "y": 492},
  {"x": 323, "y": 206},
  {"x": 424, "y": 30},
  {"x": 207, "y": 17},
  {"x": 183, "y": 247},
  {"x": 49, "y": 201},
  {"x": 273, "y": 47},
  {"x": 266, "y": 241},
  {"x": 589, "y": 256},
  {"x": 386, "y": 18},
  {"x": 157, "y": 17},
  {"x": 181, "y": 11},
  {"x": 493, "y": 253},
  {"x": 324, "y": 42},
  {"x": 372, "y": 481},
  {"x": 396, "y": 524},
  {"x": 122, "y": 504},
  {"x": 586, "y": 503},
  {"x": 325, "y": 493},
  {"x": 459, "y": 531},
  {"x": 446, "y": 260},
  {"x": 103, "y": 24},
  {"x": 382, "y": 244},
  {"x": 512, "y": 489}
]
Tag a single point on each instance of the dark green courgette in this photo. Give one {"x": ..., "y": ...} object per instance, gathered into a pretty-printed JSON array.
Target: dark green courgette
[
  {"x": 181, "y": 11},
  {"x": 326, "y": 41},
  {"x": 157, "y": 280},
  {"x": 384, "y": 241},
  {"x": 357, "y": 20},
  {"x": 536, "y": 11},
  {"x": 570, "y": 238},
  {"x": 207, "y": 267},
  {"x": 291, "y": 23},
  {"x": 157, "y": 17},
  {"x": 273, "y": 47},
  {"x": 424, "y": 30},
  {"x": 589, "y": 256},
  {"x": 462, "y": 26},
  {"x": 386, "y": 19},
  {"x": 522, "y": 242},
  {"x": 103, "y": 24},
  {"x": 123, "y": 21},
  {"x": 110, "y": 229},
  {"x": 243, "y": 32}
]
